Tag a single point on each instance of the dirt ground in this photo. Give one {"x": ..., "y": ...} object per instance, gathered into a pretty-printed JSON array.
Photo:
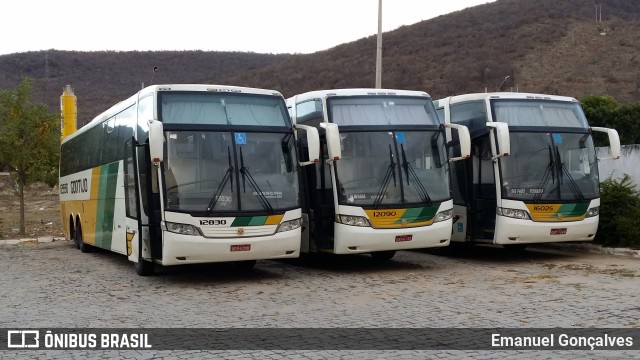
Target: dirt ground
[{"x": 42, "y": 211}]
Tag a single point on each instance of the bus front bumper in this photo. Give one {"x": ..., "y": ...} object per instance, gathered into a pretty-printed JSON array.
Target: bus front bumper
[
  {"x": 516, "y": 231},
  {"x": 184, "y": 249},
  {"x": 354, "y": 239}
]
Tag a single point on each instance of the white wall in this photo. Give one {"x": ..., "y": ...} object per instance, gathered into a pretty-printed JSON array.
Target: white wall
[{"x": 629, "y": 163}]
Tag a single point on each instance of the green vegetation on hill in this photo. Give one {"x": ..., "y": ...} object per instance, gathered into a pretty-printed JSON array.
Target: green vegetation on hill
[{"x": 543, "y": 46}]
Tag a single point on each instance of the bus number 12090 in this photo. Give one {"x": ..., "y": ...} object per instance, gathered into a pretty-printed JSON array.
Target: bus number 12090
[{"x": 384, "y": 213}]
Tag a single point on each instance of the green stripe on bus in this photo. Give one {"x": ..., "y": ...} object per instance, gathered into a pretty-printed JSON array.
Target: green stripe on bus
[
  {"x": 570, "y": 210},
  {"x": 249, "y": 220},
  {"x": 106, "y": 204},
  {"x": 421, "y": 214}
]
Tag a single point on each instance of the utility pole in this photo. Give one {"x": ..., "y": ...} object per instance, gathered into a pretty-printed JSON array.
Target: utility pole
[{"x": 379, "y": 48}]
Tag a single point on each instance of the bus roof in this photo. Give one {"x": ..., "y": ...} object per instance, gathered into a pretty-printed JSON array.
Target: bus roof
[
  {"x": 317, "y": 94},
  {"x": 503, "y": 95},
  {"x": 168, "y": 87}
]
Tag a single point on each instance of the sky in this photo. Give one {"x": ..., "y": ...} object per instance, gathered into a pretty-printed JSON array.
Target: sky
[{"x": 260, "y": 26}]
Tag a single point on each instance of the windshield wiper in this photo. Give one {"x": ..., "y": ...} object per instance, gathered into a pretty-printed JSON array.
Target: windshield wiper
[
  {"x": 385, "y": 181},
  {"x": 573, "y": 186},
  {"x": 548, "y": 172},
  {"x": 247, "y": 175},
  {"x": 226, "y": 178},
  {"x": 408, "y": 170}
]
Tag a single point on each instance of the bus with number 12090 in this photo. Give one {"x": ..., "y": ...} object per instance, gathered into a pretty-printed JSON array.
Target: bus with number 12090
[
  {"x": 382, "y": 184},
  {"x": 185, "y": 174}
]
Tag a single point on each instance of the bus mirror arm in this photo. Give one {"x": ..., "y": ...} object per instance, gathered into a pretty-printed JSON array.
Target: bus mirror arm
[
  {"x": 313, "y": 143},
  {"x": 464, "y": 140},
  {"x": 503, "y": 145},
  {"x": 614, "y": 140},
  {"x": 156, "y": 141}
]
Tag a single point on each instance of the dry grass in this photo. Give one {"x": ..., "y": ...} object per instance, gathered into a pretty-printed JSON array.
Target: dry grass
[{"x": 42, "y": 211}]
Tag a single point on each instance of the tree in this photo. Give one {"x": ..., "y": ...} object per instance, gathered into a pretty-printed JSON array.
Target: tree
[
  {"x": 29, "y": 140},
  {"x": 605, "y": 111}
]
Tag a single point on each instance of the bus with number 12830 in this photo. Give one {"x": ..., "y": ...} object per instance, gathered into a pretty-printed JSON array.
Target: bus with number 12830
[{"x": 184, "y": 174}]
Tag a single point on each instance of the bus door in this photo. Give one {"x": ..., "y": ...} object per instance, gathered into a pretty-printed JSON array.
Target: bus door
[
  {"x": 318, "y": 204},
  {"x": 482, "y": 199},
  {"x": 144, "y": 236}
]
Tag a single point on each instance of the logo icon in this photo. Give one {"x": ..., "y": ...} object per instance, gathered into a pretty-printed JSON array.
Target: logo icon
[
  {"x": 22, "y": 339},
  {"x": 240, "y": 231}
]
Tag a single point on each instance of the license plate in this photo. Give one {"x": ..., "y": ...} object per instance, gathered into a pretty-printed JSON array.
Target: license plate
[
  {"x": 243, "y": 247},
  {"x": 401, "y": 238},
  {"x": 560, "y": 231}
]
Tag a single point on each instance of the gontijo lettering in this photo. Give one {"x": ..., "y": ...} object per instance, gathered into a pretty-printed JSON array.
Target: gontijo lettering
[{"x": 75, "y": 187}]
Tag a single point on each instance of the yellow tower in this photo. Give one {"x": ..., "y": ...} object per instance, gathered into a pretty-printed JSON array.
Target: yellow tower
[{"x": 68, "y": 112}]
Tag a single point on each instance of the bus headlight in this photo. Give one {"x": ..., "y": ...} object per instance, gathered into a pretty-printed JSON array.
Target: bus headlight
[
  {"x": 594, "y": 211},
  {"x": 513, "y": 213},
  {"x": 353, "y": 220},
  {"x": 289, "y": 225},
  {"x": 443, "y": 215},
  {"x": 183, "y": 229}
]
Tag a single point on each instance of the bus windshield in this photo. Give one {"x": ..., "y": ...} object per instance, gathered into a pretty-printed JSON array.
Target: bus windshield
[
  {"x": 384, "y": 168},
  {"x": 382, "y": 110},
  {"x": 533, "y": 112},
  {"x": 207, "y": 171},
  {"x": 223, "y": 109},
  {"x": 550, "y": 166}
]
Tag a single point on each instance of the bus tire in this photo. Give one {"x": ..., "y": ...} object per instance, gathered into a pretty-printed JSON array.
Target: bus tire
[
  {"x": 84, "y": 247},
  {"x": 72, "y": 234},
  {"x": 383, "y": 255},
  {"x": 144, "y": 267},
  {"x": 515, "y": 248},
  {"x": 245, "y": 265}
]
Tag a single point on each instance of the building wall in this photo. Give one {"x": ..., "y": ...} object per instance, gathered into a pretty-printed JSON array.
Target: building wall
[{"x": 629, "y": 163}]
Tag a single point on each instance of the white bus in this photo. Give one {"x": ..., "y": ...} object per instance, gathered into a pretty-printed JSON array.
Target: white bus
[
  {"x": 184, "y": 174},
  {"x": 382, "y": 183},
  {"x": 533, "y": 173}
]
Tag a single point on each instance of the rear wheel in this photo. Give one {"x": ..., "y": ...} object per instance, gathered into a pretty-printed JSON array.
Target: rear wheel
[
  {"x": 72, "y": 234},
  {"x": 85, "y": 248},
  {"x": 383, "y": 255}
]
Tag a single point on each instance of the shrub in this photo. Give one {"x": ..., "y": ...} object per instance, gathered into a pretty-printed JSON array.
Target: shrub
[{"x": 619, "y": 213}]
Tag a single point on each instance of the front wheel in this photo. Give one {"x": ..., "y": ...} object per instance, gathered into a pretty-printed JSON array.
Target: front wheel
[
  {"x": 245, "y": 265},
  {"x": 515, "y": 248},
  {"x": 143, "y": 267},
  {"x": 383, "y": 255}
]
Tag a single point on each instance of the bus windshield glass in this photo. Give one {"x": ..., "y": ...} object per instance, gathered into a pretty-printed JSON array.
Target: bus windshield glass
[
  {"x": 223, "y": 108},
  {"x": 550, "y": 166},
  {"x": 533, "y": 112},
  {"x": 385, "y": 168},
  {"x": 207, "y": 171},
  {"x": 382, "y": 110}
]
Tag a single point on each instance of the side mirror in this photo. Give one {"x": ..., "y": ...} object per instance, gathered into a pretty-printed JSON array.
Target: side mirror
[
  {"x": 502, "y": 137},
  {"x": 333, "y": 141},
  {"x": 614, "y": 140},
  {"x": 313, "y": 143},
  {"x": 156, "y": 141},
  {"x": 465, "y": 141}
]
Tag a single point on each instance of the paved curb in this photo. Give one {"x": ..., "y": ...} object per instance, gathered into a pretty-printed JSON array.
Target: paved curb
[
  {"x": 592, "y": 248},
  {"x": 42, "y": 239},
  {"x": 584, "y": 247}
]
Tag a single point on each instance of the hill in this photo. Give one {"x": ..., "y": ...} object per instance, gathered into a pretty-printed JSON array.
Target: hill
[{"x": 546, "y": 46}]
